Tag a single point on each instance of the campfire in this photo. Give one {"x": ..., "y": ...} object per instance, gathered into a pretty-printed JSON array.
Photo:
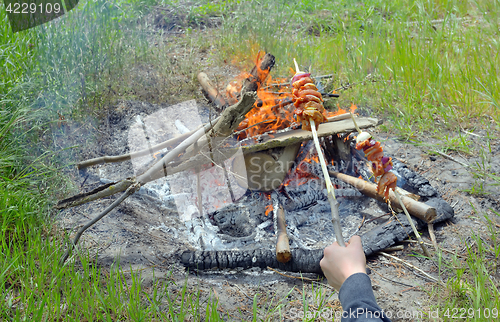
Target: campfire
[{"x": 249, "y": 186}]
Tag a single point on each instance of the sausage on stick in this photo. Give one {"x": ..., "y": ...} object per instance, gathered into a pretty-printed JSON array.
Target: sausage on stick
[
  {"x": 381, "y": 167},
  {"x": 310, "y": 112}
]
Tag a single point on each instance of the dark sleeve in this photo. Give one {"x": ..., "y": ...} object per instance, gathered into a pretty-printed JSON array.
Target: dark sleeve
[{"x": 358, "y": 301}]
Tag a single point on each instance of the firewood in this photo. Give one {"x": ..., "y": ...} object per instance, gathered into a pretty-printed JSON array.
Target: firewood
[
  {"x": 124, "y": 157},
  {"x": 233, "y": 115},
  {"x": 106, "y": 190},
  {"x": 130, "y": 190},
  {"x": 211, "y": 92},
  {"x": 295, "y": 136},
  {"x": 283, "y": 253},
  {"x": 302, "y": 260},
  {"x": 259, "y": 73},
  {"x": 415, "y": 208}
]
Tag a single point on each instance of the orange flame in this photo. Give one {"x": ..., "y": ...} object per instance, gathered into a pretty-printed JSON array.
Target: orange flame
[
  {"x": 341, "y": 110},
  {"x": 268, "y": 113},
  {"x": 269, "y": 207}
]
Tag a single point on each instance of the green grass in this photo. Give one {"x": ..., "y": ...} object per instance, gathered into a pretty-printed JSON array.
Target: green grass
[
  {"x": 64, "y": 74},
  {"x": 472, "y": 287},
  {"x": 429, "y": 74},
  {"x": 16, "y": 52}
]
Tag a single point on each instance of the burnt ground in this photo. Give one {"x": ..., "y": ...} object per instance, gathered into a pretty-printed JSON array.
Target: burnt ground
[{"x": 144, "y": 234}]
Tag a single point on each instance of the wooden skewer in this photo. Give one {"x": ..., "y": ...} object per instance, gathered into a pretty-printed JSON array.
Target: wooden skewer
[
  {"x": 415, "y": 231},
  {"x": 334, "y": 205},
  {"x": 297, "y": 70}
]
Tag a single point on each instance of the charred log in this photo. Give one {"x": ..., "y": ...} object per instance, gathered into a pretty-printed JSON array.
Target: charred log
[
  {"x": 413, "y": 181},
  {"x": 302, "y": 260},
  {"x": 307, "y": 261},
  {"x": 259, "y": 73},
  {"x": 283, "y": 253},
  {"x": 416, "y": 208}
]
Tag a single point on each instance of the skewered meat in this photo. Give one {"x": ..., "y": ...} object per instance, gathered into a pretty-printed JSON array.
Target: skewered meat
[
  {"x": 308, "y": 101},
  {"x": 387, "y": 182},
  {"x": 380, "y": 164}
]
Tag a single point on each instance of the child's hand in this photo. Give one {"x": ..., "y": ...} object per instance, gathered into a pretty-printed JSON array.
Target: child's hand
[{"x": 339, "y": 263}]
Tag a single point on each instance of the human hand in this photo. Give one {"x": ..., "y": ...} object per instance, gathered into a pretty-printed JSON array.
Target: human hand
[{"x": 339, "y": 263}]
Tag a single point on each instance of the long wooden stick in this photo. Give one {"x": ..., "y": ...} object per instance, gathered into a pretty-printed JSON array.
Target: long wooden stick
[
  {"x": 137, "y": 154},
  {"x": 396, "y": 193},
  {"x": 334, "y": 205},
  {"x": 213, "y": 94},
  {"x": 412, "y": 267},
  {"x": 130, "y": 190},
  {"x": 415, "y": 231},
  {"x": 157, "y": 171}
]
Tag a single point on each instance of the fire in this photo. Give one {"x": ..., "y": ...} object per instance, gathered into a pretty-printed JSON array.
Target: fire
[
  {"x": 269, "y": 207},
  {"x": 314, "y": 158},
  {"x": 273, "y": 110},
  {"x": 302, "y": 172},
  {"x": 341, "y": 110}
]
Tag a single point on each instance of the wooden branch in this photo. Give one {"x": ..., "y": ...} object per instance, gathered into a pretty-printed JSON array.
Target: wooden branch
[
  {"x": 465, "y": 165},
  {"x": 213, "y": 94},
  {"x": 340, "y": 117},
  {"x": 226, "y": 124},
  {"x": 296, "y": 136},
  {"x": 259, "y": 73},
  {"x": 128, "y": 156},
  {"x": 429, "y": 244},
  {"x": 415, "y": 208},
  {"x": 283, "y": 253},
  {"x": 98, "y": 193},
  {"x": 415, "y": 231},
  {"x": 152, "y": 173},
  {"x": 130, "y": 190},
  {"x": 157, "y": 171},
  {"x": 394, "y": 248},
  {"x": 430, "y": 226},
  {"x": 233, "y": 115},
  {"x": 412, "y": 267}
]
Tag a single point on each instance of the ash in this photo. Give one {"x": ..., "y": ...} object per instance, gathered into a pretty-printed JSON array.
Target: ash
[{"x": 230, "y": 218}]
